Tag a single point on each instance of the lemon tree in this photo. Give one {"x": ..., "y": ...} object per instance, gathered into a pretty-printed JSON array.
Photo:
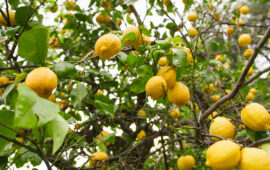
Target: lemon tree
[{"x": 134, "y": 84}]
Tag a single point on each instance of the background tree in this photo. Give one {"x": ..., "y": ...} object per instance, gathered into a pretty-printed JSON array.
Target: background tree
[{"x": 106, "y": 87}]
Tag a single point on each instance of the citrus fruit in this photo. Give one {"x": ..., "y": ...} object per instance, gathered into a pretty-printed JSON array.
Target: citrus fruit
[
  {"x": 253, "y": 90},
  {"x": 256, "y": 117},
  {"x": 163, "y": 61},
  {"x": 219, "y": 58},
  {"x": 215, "y": 98},
  {"x": 250, "y": 96},
  {"x": 169, "y": 75},
  {"x": 103, "y": 134},
  {"x": 186, "y": 162},
  {"x": 141, "y": 113},
  {"x": 175, "y": 113},
  {"x": 54, "y": 43},
  {"x": 11, "y": 15},
  {"x": 192, "y": 17},
  {"x": 103, "y": 18},
  {"x": 107, "y": 46},
  {"x": 247, "y": 53},
  {"x": 223, "y": 154},
  {"x": 212, "y": 115},
  {"x": 192, "y": 32},
  {"x": 106, "y": 4},
  {"x": 4, "y": 80},
  {"x": 179, "y": 94},
  {"x": 141, "y": 135},
  {"x": 97, "y": 158},
  {"x": 156, "y": 87},
  {"x": 137, "y": 33},
  {"x": 100, "y": 92},
  {"x": 208, "y": 88},
  {"x": 41, "y": 80},
  {"x": 244, "y": 10},
  {"x": 230, "y": 30},
  {"x": 254, "y": 159},
  {"x": 222, "y": 127},
  {"x": 244, "y": 40}
]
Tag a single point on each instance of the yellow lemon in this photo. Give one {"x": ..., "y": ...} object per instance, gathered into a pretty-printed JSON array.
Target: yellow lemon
[
  {"x": 192, "y": 17},
  {"x": 244, "y": 40},
  {"x": 254, "y": 159},
  {"x": 217, "y": 17},
  {"x": 52, "y": 98},
  {"x": 186, "y": 162},
  {"x": 222, "y": 127},
  {"x": 215, "y": 98},
  {"x": 211, "y": 8},
  {"x": 250, "y": 71},
  {"x": 1, "y": 92},
  {"x": 107, "y": 46},
  {"x": 223, "y": 154},
  {"x": 244, "y": 10},
  {"x": 41, "y": 80},
  {"x": 137, "y": 33},
  {"x": 228, "y": 91},
  {"x": 212, "y": 115},
  {"x": 118, "y": 21},
  {"x": 188, "y": 52},
  {"x": 4, "y": 80},
  {"x": 11, "y": 15},
  {"x": 63, "y": 31},
  {"x": 103, "y": 134},
  {"x": 141, "y": 135},
  {"x": 253, "y": 91},
  {"x": 179, "y": 94},
  {"x": 192, "y": 32},
  {"x": 163, "y": 61},
  {"x": 106, "y": 4},
  {"x": 97, "y": 159},
  {"x": 219, "y": 58},
  {"x": 230, "y": 30},
  {"x": 141, "y": 113},
  {"x": 238, "y": 7},
  {"x": 156, "y": 87},
  {"x": 208, "y": 88},
  {"x": 256, "y": 117},
  {"x": 100, "y": 92},
  {"x": 175, "y": 113},
  {"x": 239, "y": 22},
  {"x": 166, "y": 2},
  {"x": 144, "y": 39},
  {"x": 247, "y": 53},
  {"x": 169, "y": 75},
  {"x": 54, "y": 43},
  {"x": 250, "y": 96},
  {"x": 103, "y": 18}
]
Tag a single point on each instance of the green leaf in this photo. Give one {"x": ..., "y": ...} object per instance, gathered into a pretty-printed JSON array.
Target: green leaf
[
  {"x": 7, "y": 91},
  {"x": 65, "y": 70},
  {"x": 110, "y": 138},
  {"x": 144, "y": 71},
  {"x": 77, "y": 95},
  {"x": 164, "y": 44},
  {"x": 14, "y": 3},
  {"x": 30, "y": 105},
  {"x": 23, "y": 156},
  {"x": 3, "y": 162},
  {"x": 138, "y": 86},
  {"x": 130, "y": 36},
  {"x": 266, "y": 147},
  {"x": 57, "y": 129},
  {"x": 179, "y": 58},
  {"x": 33, "y": 45},
  {"x": 6, "y": 117},
  {"x": 22, "y": 14},
  {"x": 122, "y": 57},
  {"x": 131, "y": 59},
  {"x": 20, "y": 77},
  {"x": 106, "y": 108}
]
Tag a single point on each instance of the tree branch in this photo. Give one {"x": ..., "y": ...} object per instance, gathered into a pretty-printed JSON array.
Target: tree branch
[{"x": 240, "y": 80}]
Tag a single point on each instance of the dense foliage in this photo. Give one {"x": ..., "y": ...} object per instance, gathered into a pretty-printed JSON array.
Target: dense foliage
[{"x": 101, "y": 103}]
